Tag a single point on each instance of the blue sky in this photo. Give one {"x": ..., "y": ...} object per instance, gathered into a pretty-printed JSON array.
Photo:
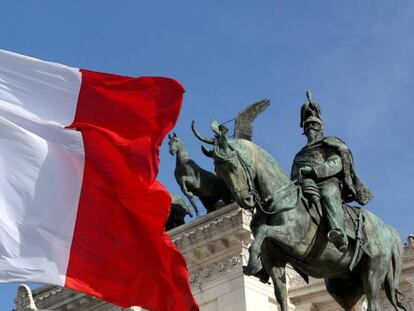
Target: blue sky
[{"x": 355, "y": 56}]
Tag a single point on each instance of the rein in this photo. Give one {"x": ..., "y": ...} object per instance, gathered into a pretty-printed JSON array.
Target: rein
[{"x": 260, "y": 202}]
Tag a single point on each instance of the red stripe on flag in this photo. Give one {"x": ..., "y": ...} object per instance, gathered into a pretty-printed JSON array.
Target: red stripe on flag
[{"x": 120, "y": 251}]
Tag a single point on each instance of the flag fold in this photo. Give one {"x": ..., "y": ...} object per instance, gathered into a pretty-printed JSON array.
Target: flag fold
[{"x": 80, "y": 204}]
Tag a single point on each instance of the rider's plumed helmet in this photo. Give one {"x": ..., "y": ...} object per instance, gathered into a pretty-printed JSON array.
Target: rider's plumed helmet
[{"x": 310, "y": 112}]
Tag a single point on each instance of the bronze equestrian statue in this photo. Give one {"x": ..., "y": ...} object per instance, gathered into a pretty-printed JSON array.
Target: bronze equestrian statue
[
  {"x": 288, "y": 229},
  {"x": 195, "y": 181}
]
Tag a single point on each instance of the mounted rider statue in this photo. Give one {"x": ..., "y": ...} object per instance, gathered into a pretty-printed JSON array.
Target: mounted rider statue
[
  {"x": 311, "y": 235},
  {"x": 325, "y": 169}
]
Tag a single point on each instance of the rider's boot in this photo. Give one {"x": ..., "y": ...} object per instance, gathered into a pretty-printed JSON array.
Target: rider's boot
[{"x": 332, "y": 207}]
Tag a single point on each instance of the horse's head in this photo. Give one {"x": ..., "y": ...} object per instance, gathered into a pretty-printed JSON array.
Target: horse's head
[
  {"x": 235, "y": 169},
  {"x": 173, "y": 144},
  {"x": 231, "y": 165}
]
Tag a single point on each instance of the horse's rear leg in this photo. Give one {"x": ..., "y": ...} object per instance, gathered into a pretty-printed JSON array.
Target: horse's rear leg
[
  {"x": 188, "y": 194},
  {"x": 373, "y": 275},
  {"x": 392, "y": 279},
  {"x": 345, "y": 292},
  {"x": 372, "y": 291},
  {"x": 275, "y": 266}
]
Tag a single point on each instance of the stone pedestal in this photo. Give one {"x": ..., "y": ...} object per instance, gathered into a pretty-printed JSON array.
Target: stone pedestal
[{"x": 216, "y": 248}]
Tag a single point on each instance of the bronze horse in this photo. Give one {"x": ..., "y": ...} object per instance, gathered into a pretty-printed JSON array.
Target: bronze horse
[
  {"x": 195, "y": 181},
  {"x": 179, "y": 210},
  {"x": 286, "y": 233}
]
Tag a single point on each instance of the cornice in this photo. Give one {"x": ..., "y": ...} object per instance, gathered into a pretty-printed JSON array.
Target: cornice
[
  {"x": 60, "y": 298},
  {"x": 202, "y": 220},
  {"x": 202, "y": 276},
  {"x": 53, "y": 295},
  {"x": 217, "y": 225}
]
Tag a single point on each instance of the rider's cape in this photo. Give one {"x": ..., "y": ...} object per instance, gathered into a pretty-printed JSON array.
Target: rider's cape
[{"x": 352, "y": 187}]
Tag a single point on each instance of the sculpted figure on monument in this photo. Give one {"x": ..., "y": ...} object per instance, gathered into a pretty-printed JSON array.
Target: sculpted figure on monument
[
  {"x": 179, "y": 209},
  {"x": 243, "y": 125},
  {"x": 24, "y": 300},
  {"x": 204, "y": 184},
  {"x": 195, "y": 181},
  {"x": 363, "y": 256},
  {"x": 325, "y": 169}
]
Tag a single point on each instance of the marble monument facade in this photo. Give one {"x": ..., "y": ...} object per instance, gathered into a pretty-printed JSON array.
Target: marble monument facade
[{"x": 216, "y": 247}]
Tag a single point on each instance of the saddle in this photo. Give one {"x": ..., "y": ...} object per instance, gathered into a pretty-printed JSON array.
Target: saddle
[{"x": 355, "y": 229}]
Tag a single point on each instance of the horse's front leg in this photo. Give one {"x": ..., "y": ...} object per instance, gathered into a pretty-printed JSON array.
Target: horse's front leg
[
  {"x": 275, "y": 265},
  {"x": 189, "y": 194},
  {"x": 264, "y": 231}
]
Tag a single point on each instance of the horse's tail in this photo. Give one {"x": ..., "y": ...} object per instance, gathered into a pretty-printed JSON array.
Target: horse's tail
[{"x": 392, "y": 279}]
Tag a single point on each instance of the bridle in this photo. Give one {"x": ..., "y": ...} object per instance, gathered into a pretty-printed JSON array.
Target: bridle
[{"x": 259, "y": 201}]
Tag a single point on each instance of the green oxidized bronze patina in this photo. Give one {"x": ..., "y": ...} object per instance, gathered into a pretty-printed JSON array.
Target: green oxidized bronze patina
[
  {"x": 179, "y": 210},
  {"x": 195, "y": 181},
  {"x": 311, "y": 229},
  {"x": 325, "y": 169}
]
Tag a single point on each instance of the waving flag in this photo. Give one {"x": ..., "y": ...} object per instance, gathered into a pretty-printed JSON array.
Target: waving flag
[{"x": 79, "y": 203}]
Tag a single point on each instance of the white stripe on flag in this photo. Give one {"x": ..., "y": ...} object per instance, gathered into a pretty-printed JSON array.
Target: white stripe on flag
[
  {"x": 32, "y": 86},
  {"x": 41, "y": 168}
]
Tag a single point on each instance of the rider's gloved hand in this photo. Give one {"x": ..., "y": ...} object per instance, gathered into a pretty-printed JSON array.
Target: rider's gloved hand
[{"x": 307, "y": 171}]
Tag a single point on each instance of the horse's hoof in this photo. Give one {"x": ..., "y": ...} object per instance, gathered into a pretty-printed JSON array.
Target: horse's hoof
[
  {"x": 249, "y": 270},
  {"x": 246, "y": 270}
]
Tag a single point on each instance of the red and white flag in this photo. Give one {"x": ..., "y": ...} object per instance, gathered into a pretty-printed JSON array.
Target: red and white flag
[{"x": 79, "y": 203}]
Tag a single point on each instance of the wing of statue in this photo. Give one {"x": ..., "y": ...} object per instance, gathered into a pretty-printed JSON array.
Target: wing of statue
[{"x": 243, "y": 127}]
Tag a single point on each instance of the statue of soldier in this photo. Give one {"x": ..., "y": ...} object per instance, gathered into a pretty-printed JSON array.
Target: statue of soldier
[{"x": 324, "y": 167}]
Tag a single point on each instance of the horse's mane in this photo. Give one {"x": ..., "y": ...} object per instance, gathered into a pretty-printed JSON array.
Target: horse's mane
[{"x": 249, "y": 151}]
